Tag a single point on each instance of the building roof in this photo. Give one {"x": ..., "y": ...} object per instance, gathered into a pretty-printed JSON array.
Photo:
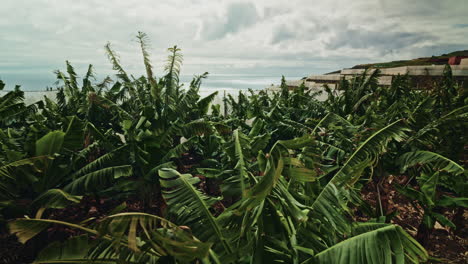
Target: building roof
[
  {"x": 386, "y": 74},
  {"x": 431, "y": 70}
]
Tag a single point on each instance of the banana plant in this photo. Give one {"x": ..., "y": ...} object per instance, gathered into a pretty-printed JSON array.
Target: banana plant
[
  {"x": 431, "y": 204},
  {"x": 428, "y": 168},
  {"x": 118, "y": 238},
  {"x": 277, "y": 178}
]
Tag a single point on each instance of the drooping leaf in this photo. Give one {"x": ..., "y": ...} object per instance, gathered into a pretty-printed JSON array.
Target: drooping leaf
[
  {"x": 55, "y": 198},
  {"x": 329, "y": 203},
  {"x": 98, "y": 179},
  {"x": 74, "y": 136},
  {"x": 191, "y": 206},
  {"x": 74, "y": 250},
  {"x": 50, "y": 143},
  {"x": 240, "y": 165},
  {"x": 388, "y": 244},
  {"x": 428, "y": 158},
  {"x": 140, "y": 232},
  {"x": 26, "y": 228}
]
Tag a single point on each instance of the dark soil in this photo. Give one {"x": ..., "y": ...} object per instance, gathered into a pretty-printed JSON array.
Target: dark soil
[{"x": 444, "y": 245}]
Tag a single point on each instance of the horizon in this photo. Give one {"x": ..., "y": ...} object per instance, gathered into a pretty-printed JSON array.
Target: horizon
[{"x": 243, "y": 38}]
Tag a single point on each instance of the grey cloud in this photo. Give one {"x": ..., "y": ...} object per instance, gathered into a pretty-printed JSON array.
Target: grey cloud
[
  {"x": 270, "y": 12},
  {"x": 239, "y": 16},
  {"x": 282, "y": 34},
  {"x": 422, "y": 8},
  {"x": 261, "y": 36},
  {"x": 438, "y": 49},
  {"x": 383, "y": 40},
  {"x": 301, "y": 29}
]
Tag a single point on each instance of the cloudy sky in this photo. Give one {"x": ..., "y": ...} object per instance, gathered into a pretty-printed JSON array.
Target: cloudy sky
[{"x": 264, "y": 37}]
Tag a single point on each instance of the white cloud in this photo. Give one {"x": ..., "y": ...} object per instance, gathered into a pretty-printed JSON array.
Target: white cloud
[{"x": 228, "y": 36}]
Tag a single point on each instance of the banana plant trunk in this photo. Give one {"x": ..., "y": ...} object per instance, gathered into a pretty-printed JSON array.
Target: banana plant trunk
[{"x": 424, "y": 233}]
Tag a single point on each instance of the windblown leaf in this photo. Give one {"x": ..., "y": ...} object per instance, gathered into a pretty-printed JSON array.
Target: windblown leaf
[
  {"x": 387, "y": 245},
  {"x": 204, "y": 103},
  {"x": 122, "y": 236},
  {"x": 178, "y": 150},
  {"x": 55, "y": 198},
  {"x": 428, "y": 158},
  {"x": 114, "y": 59},
  {"x": 191, "y": 207},
  {"x": 98, "y": 179},
  {"x": 50, "y": 143},
  {"x": 329, "y": 203},
  {"x": 8, "y": 177},
  {"x": 74, "y": 250},
  {"x": 240, "y": 165},
  {"x": 141, "y": 232},
  {"x": 26, "y": 228},
  {"x": 74, "y": 136}
]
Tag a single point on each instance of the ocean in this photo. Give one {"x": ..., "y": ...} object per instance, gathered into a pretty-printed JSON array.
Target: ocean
[
  {"x": 33, "y": 82},
  {"x": 35, "y": 85}
]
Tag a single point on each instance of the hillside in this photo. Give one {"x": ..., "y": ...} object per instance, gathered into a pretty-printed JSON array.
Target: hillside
[{"x": 437, "y": 60}]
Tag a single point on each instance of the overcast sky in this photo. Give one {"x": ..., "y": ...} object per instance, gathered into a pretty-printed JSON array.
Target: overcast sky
[{"x": 294, "y": 37}]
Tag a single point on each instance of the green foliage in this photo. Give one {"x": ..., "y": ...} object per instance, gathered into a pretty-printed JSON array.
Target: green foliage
[
  {"x": 274, "y": 178},
  {"x": 191, "y": 207},
  {"x": 125, "y": 237},
  {"x": 386, "y": 244},
  {"x": 55, "y": 198},
  {"x": 433, "y": 160}
]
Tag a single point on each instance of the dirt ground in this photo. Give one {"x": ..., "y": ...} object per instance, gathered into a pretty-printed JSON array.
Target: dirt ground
[{"x": 445, "y": 245}]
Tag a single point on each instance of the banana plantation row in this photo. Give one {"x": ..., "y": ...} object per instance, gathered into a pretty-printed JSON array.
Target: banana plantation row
[{"x": 143, "y": 170}]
